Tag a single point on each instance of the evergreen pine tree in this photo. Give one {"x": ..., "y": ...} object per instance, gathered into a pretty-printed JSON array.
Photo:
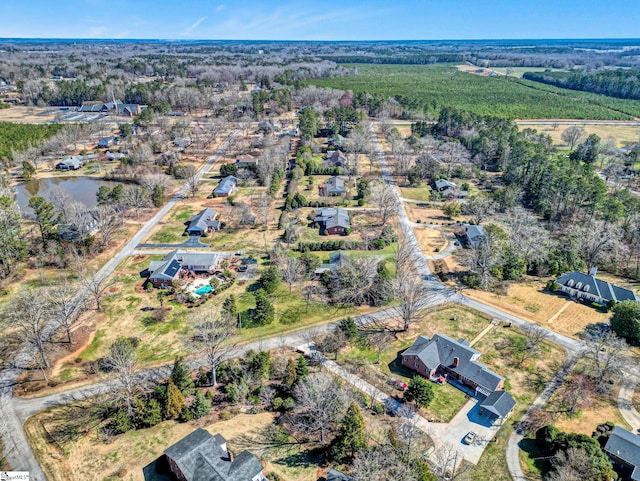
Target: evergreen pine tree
[
  {"x": 152, "y": 414},
  {"x": 200, "y": 406},
  {"x": 174, "y": 401},
  {"x": 181, "y": 377},
  {"x": 419, "y": 391},
  {"x": 292, "y": 374},
  {"x": 264, "y": 313},
  {"x": 352, "y": 437},
  {"x": 229, "y": 308},
  {"x": 302, "y": 370}
]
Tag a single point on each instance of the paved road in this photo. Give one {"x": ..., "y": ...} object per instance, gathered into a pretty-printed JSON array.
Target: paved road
[
  {"x": 18, "y": 451},
  {"x": 513, "y": 447},
  {"x": 625, "y": 405}
]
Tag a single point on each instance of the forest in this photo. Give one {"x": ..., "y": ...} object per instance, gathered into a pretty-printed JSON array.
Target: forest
[
  {"x": 620, "y": 83},
  {"x": 426, "y": 89},
  {"x": 16, "y": 137}
]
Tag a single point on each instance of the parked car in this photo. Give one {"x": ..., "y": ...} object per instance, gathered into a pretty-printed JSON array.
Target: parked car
[
  {"x": 243, "y": 267},
  {"x": 470, "y": 438},
  {"x": 399, "y": 384}
]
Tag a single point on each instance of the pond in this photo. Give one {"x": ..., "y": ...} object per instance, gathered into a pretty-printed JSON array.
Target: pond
[{"x": 81, "y": 189}]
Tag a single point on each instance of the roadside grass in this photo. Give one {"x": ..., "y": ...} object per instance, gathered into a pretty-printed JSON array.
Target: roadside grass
[
  {"x": 493, "y": 463},
  {"x": 422, "y": 193},
  {"x": 167, "y": 234}
]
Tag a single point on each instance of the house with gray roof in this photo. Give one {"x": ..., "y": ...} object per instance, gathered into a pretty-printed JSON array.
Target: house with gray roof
[
  {"x": 203, "y": 222},
  {"x": 336, "y": 260},
  {"x": 335, "y": 158},
  {"x": 443, "y": 185},
  {"x": 246, "y": 160},
  {"x": 178, "y": 264},
  {"x": 623, "y": 447},
  {"x": 335, "y": 475},
  {"x": 471, "y": 234},
  {"x": 588, "y": 287},
  {"x": 498, "y": 405},
  {"x": 201, "y": 456},
  {"x": 105, "y": 142},
  {"x": 70, "y": 162},
  {"x": 332, "y": 221},
  {"x": 333, "y": 186},
  {"x": 226, "y": 187},
  {"x": 441, "y": 358}
]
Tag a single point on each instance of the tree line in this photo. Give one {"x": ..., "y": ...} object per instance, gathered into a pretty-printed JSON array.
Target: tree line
[{"x": 620, "y": 83}]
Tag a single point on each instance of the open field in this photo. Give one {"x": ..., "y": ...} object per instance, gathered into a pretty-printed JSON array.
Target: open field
[
  {"x": 428, "y": 88},
  {"x": 430, "y": 240},
  {"x": 89, "y": 458},
  {"x": 623, "y": 134},
  {"x": 528, "y": 300},
  {"x": 422, "y": 193}
]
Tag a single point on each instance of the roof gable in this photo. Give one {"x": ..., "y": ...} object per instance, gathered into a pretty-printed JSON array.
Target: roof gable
[
  {"x": 499, "y": 403},
  {"x": 624, "y": 445}
]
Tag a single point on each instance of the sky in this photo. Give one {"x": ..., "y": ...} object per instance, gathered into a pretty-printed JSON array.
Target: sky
[{"x": 320, "y": 20}]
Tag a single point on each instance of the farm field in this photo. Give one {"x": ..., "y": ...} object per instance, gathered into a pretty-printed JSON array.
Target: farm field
[
  {"x": 420, "y": 88},
  {"x": 623, "y": 134},
  {"x": 527, "y": 300}
]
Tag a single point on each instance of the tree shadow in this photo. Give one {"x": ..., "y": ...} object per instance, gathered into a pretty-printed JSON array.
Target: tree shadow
[
  {"x": 397, "y": 368},
  {"x": 540, "y": 462}
]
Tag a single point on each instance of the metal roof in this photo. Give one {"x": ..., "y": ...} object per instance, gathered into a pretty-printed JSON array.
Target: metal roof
[{"x": 226, "y": 185}]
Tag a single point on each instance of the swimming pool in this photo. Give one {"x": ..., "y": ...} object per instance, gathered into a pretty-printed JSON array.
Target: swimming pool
[{"x": 203, "y": 290}]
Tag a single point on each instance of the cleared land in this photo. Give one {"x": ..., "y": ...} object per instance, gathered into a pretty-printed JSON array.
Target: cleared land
[
  {"x": 528, "y": 300},
  {"x": 623, "y": 134},
  {"x": 428, "y": 88}
]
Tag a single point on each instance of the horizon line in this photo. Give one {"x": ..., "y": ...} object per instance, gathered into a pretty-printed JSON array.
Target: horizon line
[{"x": 183, "y": 40}]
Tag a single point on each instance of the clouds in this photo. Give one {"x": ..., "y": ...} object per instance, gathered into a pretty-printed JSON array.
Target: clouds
[{"x": 193, "y": 26}]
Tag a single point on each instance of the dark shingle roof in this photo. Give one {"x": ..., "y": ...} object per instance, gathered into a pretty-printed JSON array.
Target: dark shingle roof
[
  {"x": 443, "y": 183},
  {"x": 474, "y": 232},
  {"x": 441, "y": 350},
  {"x": 499, "y": 403},
  {"x": 341, "y": 219},
  {"x": 200, "y": 457},
  {"x": 335, "y": 475},
  {"x": 625, "y": 445},
  {"x": 597, "y": 287},
  {"x": 203, "y": 220}
]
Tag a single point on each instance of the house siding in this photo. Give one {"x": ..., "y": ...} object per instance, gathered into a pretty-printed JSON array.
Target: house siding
[{"x": 335, "y": 230}]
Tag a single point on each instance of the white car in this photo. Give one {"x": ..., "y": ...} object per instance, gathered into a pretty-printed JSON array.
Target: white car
[{"x": 470, "y": 437}]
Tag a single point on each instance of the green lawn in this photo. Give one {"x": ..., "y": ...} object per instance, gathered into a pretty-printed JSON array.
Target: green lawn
[
  {"x": 167, "y": 234},
  {"x": 447, "y": 401},
  {"x": 430, "y": 87}
]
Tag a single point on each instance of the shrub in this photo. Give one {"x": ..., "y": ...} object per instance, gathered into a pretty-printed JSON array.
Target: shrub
[{"x": 121, "y": 422}]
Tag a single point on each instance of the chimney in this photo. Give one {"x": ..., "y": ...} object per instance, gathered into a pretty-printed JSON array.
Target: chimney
[
  {"x": 456, "y": 361},
  {"x": 593, "y": 271},
  {"x": 230, "y": 455}
]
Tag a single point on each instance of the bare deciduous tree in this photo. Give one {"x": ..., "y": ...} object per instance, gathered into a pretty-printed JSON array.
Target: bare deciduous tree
[
  {"x": 97, "y": 287},
  {"x": 573, "y": 135},
  {"x": 605, "y": 350},
  {"x": 408, "y": 289},
  {"x": 596, "y": 238},
  {"x": 384, "y": 200},
  {"x": 213, "y": 335},
  {"x": 290, "y": 267},
  {"x": 528, "y": 345},
  {"x": 571, "y": 465},
  {"x": 479, "y": 208},
  {"x": 29, "y": 311},
  {"x": 107, "y": 223},
  {"x": 121, "y": 360},
  {"x": 64, "y": 305},
  {"x": 317, "y": 414}
]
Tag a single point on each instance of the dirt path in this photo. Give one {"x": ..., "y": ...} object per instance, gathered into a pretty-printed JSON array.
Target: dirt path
[{"x": 557, "y": 314}]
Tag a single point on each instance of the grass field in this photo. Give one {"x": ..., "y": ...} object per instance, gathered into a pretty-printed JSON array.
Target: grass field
[
  {"x": 623, "y": 134},
  {"x": 431, "y": 87}
]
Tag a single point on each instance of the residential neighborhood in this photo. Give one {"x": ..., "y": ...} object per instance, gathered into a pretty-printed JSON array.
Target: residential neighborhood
[{"x": 318, "y": 260}]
